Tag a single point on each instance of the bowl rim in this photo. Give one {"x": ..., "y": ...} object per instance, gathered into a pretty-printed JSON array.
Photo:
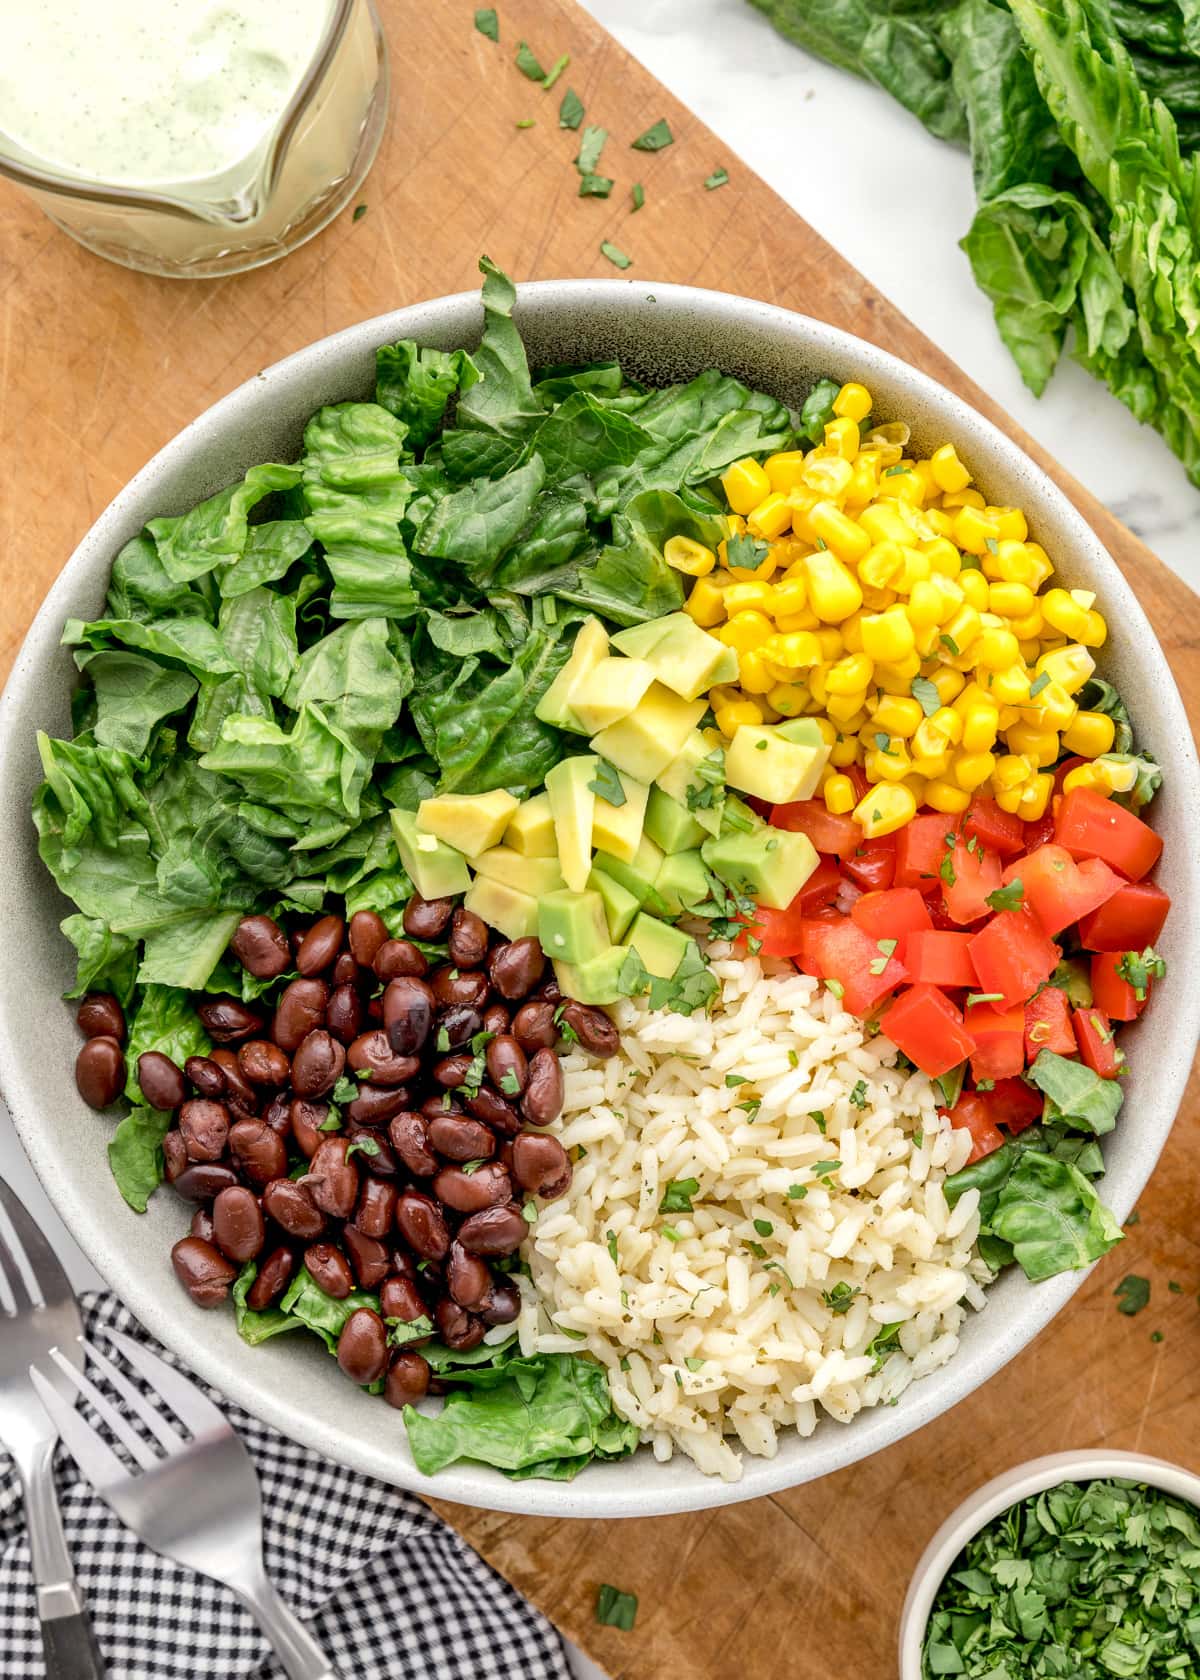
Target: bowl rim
[
  {"x": 471, "y": 1484},
  {"x": 1010, "y": 1487}
]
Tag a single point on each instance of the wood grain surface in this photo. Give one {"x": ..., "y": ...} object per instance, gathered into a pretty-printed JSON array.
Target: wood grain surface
[{"x": 100, "y": 366}]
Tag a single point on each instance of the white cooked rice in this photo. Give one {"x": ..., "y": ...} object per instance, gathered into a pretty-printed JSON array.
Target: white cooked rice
[{"x": 727, "y": 1331}]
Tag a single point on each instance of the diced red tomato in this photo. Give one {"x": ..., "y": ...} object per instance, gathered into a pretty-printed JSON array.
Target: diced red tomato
[
  {"x": 1013, "y": 1104},
  {"x": 841, "y": 951},
  {"x": 1097, "y": 1042},
  {"x": 1057, "y": 889},
  {"x": 938, "y": 958},
  {"x": 779, "y": 930},
  {"x": 999, "y": 1036},
  {"x": 836, "y": 836},
  {"x": 891, "y": 915},
  {"x": 920, "y": 849},
  {"x": 1128, "y": 921},
  {"x": 1111, "y": 992},
  {"x": 974, "y": 872},
  {"x": 1013, "y": 954},
  {"x": 821, "y": 888},
  {"x": 970, "y": 1114},
  {"x": 858, "y": 776},
  {"x": 994, "y": 828},
  {"x": 927, "y": 1027},
  {"x": 1048, "y": 1024},
  {"x": 1089, "y": 825},
  {"x": 1039, "y": 831},
  {"x": 940, "y": 916},
  {"x": 872, "y": 864}
]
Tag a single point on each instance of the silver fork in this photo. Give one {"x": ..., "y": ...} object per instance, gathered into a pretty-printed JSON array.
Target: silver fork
[
  {"x": 196, "y": 1501},
  {"x": 42, "y": 1316}
]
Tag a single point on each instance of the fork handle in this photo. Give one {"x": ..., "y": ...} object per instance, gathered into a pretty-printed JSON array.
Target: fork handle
[
  {"x": 67, "y": 1637},
  {"x": 298, "y": 1652},
  {"x": 70, "y": 1649}
]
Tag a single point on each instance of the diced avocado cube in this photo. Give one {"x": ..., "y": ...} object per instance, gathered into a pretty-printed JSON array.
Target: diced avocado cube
[
  {"x": 470, "y": 822},
  {"x": 661, "y": 947},
  {"x": 670, "y": 824},
  {"x": 685, "y": 658},
  {"x": 618, "y": 828},
  {"x": 533, "y": 875},
  {"x": 620, "y": 906},
  {"x": 531, "y": 828},
  {"x": 512, "y": 912},
  {"x": 609, "y": 692},
  {"x": 639, "y": 876},
  {"x": 573, "y": 807},
  {"x": 591, "y": 646},
  {"x": 594, "y": 981},
  {"x": 737, "y": 817},
  {"x": 698, "y": 771},
  {"x": 804, "y": 731},
  {"x": 572, "y": 925},
  {"x": 435, "y": 869},
  {"x": 770, "y": 865},
  {"x": 636, "y": 641},
  {"x": 682, "y": 882},
  {"x": 727, "y": 670},
  {"x": 762, "y": 760},
  {"x": 645, "y": 742}
]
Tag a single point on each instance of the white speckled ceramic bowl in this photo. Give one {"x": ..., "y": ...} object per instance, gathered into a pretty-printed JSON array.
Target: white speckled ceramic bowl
[
  {"x": 660, "y": 333},
  {"x": 1091, "y": 1464}
]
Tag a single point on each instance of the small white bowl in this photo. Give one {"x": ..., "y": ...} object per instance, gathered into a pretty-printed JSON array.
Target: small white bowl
[{"x": 1089, "y": 1465}]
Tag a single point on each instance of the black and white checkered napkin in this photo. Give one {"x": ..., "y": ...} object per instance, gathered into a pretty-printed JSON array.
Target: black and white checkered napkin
[{"x": 385, "y": 1587}]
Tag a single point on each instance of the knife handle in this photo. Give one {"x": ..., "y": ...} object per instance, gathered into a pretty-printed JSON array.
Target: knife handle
[{"x": 71, "y": 1650}]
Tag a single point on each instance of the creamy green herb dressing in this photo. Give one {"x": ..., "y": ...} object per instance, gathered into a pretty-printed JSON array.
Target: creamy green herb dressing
[{"x": 149, "y": 93}]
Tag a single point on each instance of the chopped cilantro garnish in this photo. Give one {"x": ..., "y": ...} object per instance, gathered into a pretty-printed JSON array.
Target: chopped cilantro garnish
[
  {"x": 1038, "y": 684},
  {"x": 1133, "y": 1293},
  {"x": 1138, "y": 969},
  {"x": 488, "y": 23},
  {"x": 746, "y": 552},
  {"x": 527, "y": 63},
  {"x": 608, "y": 784},
  {"x": 555, "y": 71},
  {"x": 615, "y": 256},
  {"x": 1010, "y": 897},
  {"x": 638, "y": 195},
  {"x": 655, "y": 138},
  {"x": 923, "y": 691},
  {"x": 859, "y": 1094},
  {"x": 677, "y": 1197},
  {"x": 840, "y": 1297},
  {"x": 764, "y": 1227},
  {"x": 615, "y": 1608},
  {"x": 570, "y": 112},
  {"x": 984, "y": 997},
  {"x": 718, "y": 178}
]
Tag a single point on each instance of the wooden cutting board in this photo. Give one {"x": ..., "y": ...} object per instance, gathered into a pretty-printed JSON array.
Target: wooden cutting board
[{"x": 99, "y": 367}]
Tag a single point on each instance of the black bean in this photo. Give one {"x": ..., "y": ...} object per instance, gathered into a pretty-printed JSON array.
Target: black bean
[
  {"x": 458, "y": 1139},
  {"x": 376, "y": 1210},
  {"x": 293, "y": 1209},
  {"x": 100, "y": 1072},
  {"x": 332, "y": 1180},
  {"x": 400, "y": 1298},
  {"x": 493, "y": 1231},
  {"x": 261, "y": 946},
  {"x": 300, "y": 1009},
  {"x": 278, "y": 1114},
  {"x": 206, "y": 1075},
  {"x": 457, "y": 1026},
  {"x": 534, "y": 1027},
  {"x": 203, "y": 1180},
  {"x": 541, "y": 1165},
  {"x": 409, "y": 1135},
  {"x": 458, "y": 1329},
  {"x": 258, "y": 1151},
  {"x": 367, "y": 932},
  {"x": 451, "y": 1071},
  {"x": 378, "y": 1156},
  {"x": 398, "y": 958},
  {"x": 329, "y": 1270},
  {"x": 228, "y": 1019},
  {"x": 175, "y": 1156},
  {"x": 515, "y": 969},
  {"x": 543, "y": 1097},
  {"x": 592, "y": 1028},
  {"x": 308, "y": 1119},
  {"x": 427, "y": 918},
  {"x": 372, "y": 1054},
  {"x": 272, "y": 1279},
  {"x": 263, "y": 1063},
  {"x": 345, "y": 1014},
  {"x": 470, "y": 1192},
  {"x": 507, "y": 1066},
  {"x": 239, "y": 1093},
  {"x": 317, "y": 1065},
  {"x": 496, "y": 1018},
  {"x": 362, "y": 1350},
  {"x": 495, "y": 1111},
  {"x": 503, "y": 1305},
  {"x": 238, "y": 1228},
  {"x": 408, "y": 1006},
  {"x": 101, "y": 1016},
  {"x": 320, "y": 945},
  {"x": 467, "y": 1278},
  {"x": 468, "y": 987},
  {"x": 205, "y": 1129},
  {"x": 161, "y": 1080},
  {"x": 468, "y": 942},
  {"x": 202, "y": 1270},
  {"x": 369, "y": 1259},
  {"x": 422, "y": 1225},
  {"x": 376, "y": 1103},
  {"x": 346, "y": 971},
  {"x": 407, "y": 1380}
]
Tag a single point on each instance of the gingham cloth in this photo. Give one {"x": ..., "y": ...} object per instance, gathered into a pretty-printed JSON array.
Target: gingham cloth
[{"x": 387, "y": 1589}]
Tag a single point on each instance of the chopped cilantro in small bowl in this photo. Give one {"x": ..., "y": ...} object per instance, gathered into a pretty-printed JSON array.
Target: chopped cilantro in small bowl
[{"x": 1082, "y": 1563}]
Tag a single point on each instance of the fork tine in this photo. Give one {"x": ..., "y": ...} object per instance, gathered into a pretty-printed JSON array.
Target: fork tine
[
  {"x": 185, "y": 1399},
  {"x": 93, "y": 1455},
  {"x": 136, "y": 1401},
  {"x": 128, "y": 1437},
  {"x": 11, "y": 1272},
  {"x": 43, "y": 1262}
]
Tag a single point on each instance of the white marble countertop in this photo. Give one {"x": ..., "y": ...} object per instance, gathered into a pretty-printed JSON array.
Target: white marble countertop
[{"x": 895, "y": 202}]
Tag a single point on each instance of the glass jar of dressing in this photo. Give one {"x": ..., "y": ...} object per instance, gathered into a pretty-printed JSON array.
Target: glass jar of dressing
[{"x": 190, "y": 137}]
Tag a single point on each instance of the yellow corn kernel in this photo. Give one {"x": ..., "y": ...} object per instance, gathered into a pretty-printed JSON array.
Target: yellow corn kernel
[
  {"x": 1014, "y": 563},
  {"x": 902, "y": 483},
  {"x": 927, "y": 640},
  {"x": 942, "y": 525},
  {"x": 806, "y": 620},
  {"x": 878, "y": 600},
  {"x": 917, "y": 569},
  {"x": 758, "y": 574},
  {"x": 850, "y": 630},
  {"x": 1008, "y": 716},
  {"x": 1115, "y": 775},
  {"x": 1035, "y": 797},
  {"x": 844, "y": 752},
  {"x": 828, "y": 475},
  {"x": 1069, "y": 666},
  {"x": 842, "y": 437},
  {"x": 883, "y": 524},
  {"x": 1009, "y": 687},
  {"x": 705, "y": 605},
  {"x": 838, "y": 794},
  {"x": 971, "y": 769},
  {"x": 1033, "y": 741},
  {"x": 926, "y": 604},
  {"x": 746, "y": 630},
  {"x": 887, "y": 637},
  {"x": 745, "y": 484},
  {"x": 898, "y": 716},
  {"x": 827, "y": 731},
  {"x": 1089, "y": 734},
  {"x": 846, "y": 710},
  {"x": 995, "y": 649},
  {"x": 830, "y": 642},
  {"x": 931, "y": 765},
  {"x": 1064, "y": 614},
  {"x": 833, "y": 594},
  {"x": 882, "y": 810},
  {"x": 1052, "y": 706},
  {"x": 948, "y": 471},
  {"x": 974, "y": 528},
  {"x": 789, "y": 699},
  {"x": 944, "y": 559},
  {"x": 795, "y": 651},
  {"x": 1096, "y": 633},
  {"x": 754, "y": 674},
  {"x": 1011, "y": 772},
  {"x": 752, "y": 596},
  {"x": 948, "y": 682},
  {"x": 974, "y": 587},
  {"x": 850, "y": 674},
  {"x": 771, "y": 518},
  {"x": 980, "y": 725},
  {"x": 1010, "y": 600},
  {"x": 1083, "y": 775},
  {"x": 1029, "y": 629},
  {"x": 962, "y": 498},
  {"x": 785, "y": 469},
  {"x": 1012, "y": 522},
  {"x": 945, "y": 796},
  {"x": 896, "y": 677},
  {"x": 888, "y": 760},
  {"x": 738, "y": 712},
  {"x": 816, "y": 687},
  {"x": 839, "y": 532},
  {"x": 934, "y": 734},
  {"x": 853, "y": 402},
  {"x": 789, "y": 597},
  {"x": 689, "y": 557},
  {"x": 1041, "y": 564},
  {"x": 930, "y": 488},
  {"x": 864, "y": 482},
  {"x": 882, "y": 563},
  {"x": 1008, "y": 799}
]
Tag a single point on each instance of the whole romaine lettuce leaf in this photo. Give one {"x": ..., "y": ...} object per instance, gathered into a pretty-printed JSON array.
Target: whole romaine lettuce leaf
[{"x": 135, "y": 1155}]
